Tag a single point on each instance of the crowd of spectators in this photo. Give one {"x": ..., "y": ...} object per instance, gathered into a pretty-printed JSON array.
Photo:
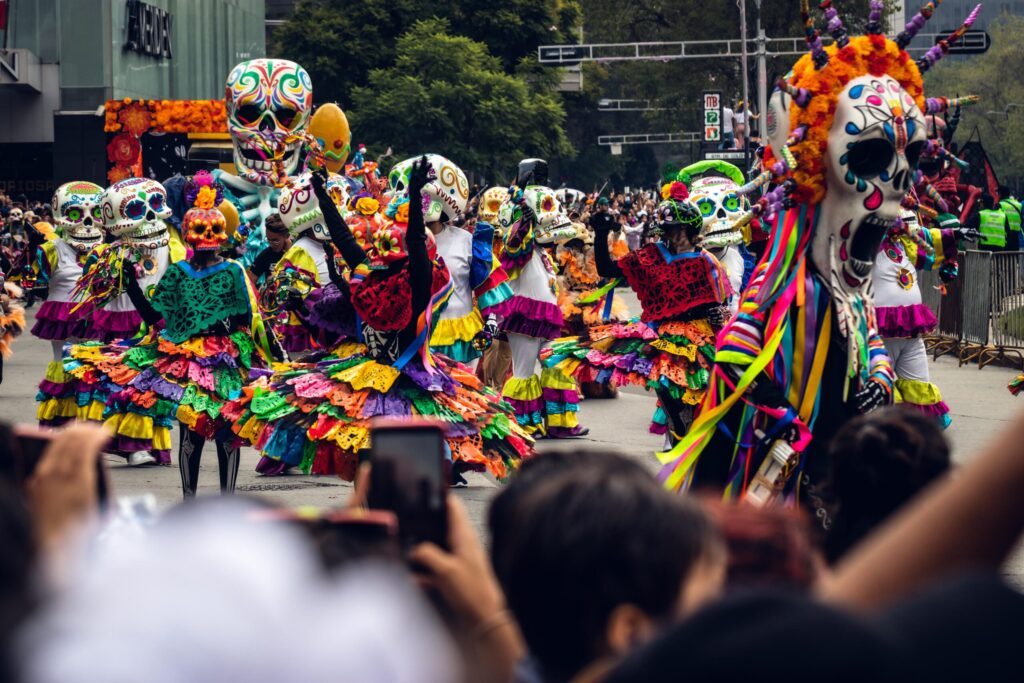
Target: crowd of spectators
[{"x": 589, "y": 571}]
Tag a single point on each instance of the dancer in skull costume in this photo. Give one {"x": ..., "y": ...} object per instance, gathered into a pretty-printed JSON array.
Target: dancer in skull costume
[
  {"x": 803, "y": 354},
  {"x": 530, "y": 218},
  {"x": 479, "y": 285},
  {"x": 316, "y": 413},
  {"x": 206, "y": 336},
  {"x": 77, "y": 213},
  {"x": 683, "y": 290}
]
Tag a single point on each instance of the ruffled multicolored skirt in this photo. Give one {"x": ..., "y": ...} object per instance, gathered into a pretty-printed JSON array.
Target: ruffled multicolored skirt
[
  {"x": 924, "y": 397},
  {"x": 453, "y": 337},
  {"x": 109, "y": 326},
  {"x": 150, "y": 385},
  {"x": 673, "y": 356},
  {"x": 316, "y": 413}
]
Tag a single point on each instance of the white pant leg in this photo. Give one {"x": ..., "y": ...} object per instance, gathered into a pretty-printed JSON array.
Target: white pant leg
[
  {"x": 525, "y": 351},
  {"x": 57, "y": 346},
  {"x": 909, "y": 358}
]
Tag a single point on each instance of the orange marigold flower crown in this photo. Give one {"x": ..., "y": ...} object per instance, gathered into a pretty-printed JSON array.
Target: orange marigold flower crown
[{"x": 871, "y": 55}]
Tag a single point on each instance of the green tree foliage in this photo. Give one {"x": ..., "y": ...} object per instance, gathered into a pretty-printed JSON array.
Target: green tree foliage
[
  {"x": 447, "y": 94},
  {"x": 340, "y": 41},
  {"x": 996, "y": 77}
]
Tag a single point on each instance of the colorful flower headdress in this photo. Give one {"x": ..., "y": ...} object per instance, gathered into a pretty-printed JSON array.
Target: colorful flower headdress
[{"x": 819, "y": 77}]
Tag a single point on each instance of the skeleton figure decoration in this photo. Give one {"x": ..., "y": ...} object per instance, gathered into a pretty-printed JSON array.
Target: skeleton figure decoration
[
  {"x": 77, "y": 214},
  {"x": 803, "y": 353},
  {"x": 714, "y": 187},
  {"x": 269, "y": 102},
  {"x": 545, "y": 405}
]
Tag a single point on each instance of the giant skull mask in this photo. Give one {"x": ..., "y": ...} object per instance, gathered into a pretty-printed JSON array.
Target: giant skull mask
[
  {"x": 135, "y": 209},
  {"x": 268, "y": 107},
  {"x": 877, "y": 136},
  {"x": 77, "y": 212},
  {"x": 446, "y": 194},
  {"x": 552, "y": 225}
]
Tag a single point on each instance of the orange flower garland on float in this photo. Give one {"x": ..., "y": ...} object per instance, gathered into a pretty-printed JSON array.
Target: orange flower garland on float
[
  {"x": 864, "y": 55},
  {"x": 165, "y": 116}
]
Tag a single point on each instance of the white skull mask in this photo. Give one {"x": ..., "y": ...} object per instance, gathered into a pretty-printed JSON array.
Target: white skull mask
[
  {"x": 135, "y": 208},
  {"x": 77, "y": 212},
  {"x": 552, "y": 226},
  {"x": 720, "y": 207},
  {"x": 268, "y": 107},
  {"x": 873, "y": 148},
  {"x": 490, "y": 204},
  {"x": 300, "y": 210},
  {"x": 444, "y": 197}
]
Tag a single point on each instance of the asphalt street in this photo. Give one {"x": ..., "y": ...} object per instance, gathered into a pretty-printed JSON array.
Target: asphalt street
[{"x": 981, "y": 407}]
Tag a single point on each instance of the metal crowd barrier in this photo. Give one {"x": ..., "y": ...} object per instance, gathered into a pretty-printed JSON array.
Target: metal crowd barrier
[{"x": 981, "y": 317}]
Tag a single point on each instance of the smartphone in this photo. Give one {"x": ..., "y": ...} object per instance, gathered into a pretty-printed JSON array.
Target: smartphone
[
  {"x": 31, "y": 444},
  {"x": 408, "y": 477}
]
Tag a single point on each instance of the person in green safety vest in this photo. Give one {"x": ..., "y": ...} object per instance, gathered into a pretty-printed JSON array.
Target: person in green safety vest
[
  {"x": 1012, "y": 208},
  {"x": 992, "y": 225}
]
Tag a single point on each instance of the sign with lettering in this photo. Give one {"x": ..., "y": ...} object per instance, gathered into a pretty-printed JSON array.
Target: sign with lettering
[
  {"x": 147, "y": 29},
  {"x": 712, "y": 116}
]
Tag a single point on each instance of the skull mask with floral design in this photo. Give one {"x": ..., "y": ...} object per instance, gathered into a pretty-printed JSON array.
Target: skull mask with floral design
[
  {"x": 552, "y": 224},
  {"x": 268, "y": 108},
  {"x": 135, "y": 208},
  {"x": 720, "y": 208},
  {"x": 300, "y": 210},
  {"x": 876, "y": 140},
  {"x": 444, "y": 197},
  {"x": 204, "y": 229},
  {"x": 77, "y": 213},
  {"x": 490, "y": 204}
]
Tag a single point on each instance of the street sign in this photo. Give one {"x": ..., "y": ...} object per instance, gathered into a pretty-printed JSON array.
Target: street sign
[
  {"x": 712, "y": 116},
  {"x": 729, "y": 155},
  {"x": 972, "y": 43}
]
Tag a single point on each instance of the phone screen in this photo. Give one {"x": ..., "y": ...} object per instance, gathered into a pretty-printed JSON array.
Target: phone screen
[{"x": 408, "y": 478}]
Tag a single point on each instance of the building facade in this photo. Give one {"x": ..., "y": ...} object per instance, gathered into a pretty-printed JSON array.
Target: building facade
[{"x": 63, "y": 59}]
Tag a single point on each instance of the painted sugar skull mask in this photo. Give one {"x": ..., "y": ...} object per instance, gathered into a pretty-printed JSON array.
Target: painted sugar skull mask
[
  {"x": 300, "y": 210},
  {"x": 552, "y": 225},
  {"x": 135, "y": 208},
  {"x": 204, "y": 229},
  {"x": 77, "y": 212},
  {"x": 490, "y": 204},
  {"x": 268, "y": 108},
  {"x": 720, "y": 205},
  {"x": 444, "y": 197},
  {"x": 875, "y": 142}
]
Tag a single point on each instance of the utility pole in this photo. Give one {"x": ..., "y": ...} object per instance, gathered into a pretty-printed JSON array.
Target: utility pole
[
  {"x": 742, "y": 4},
  {"x": 762, "y": 80}
]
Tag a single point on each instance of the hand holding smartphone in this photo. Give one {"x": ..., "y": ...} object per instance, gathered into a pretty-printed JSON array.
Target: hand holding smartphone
[
  {"x": 408, "y": 477},
  {"x": 24, "y": 452}
]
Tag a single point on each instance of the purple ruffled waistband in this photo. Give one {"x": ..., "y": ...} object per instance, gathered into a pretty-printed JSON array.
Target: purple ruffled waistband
[
  {"x": 110, "y": 325},
  {"x": 905, "y": 321},
  {"x": 532, "y": 318},
  {"x": 54, "y": 320},
  {"x": 560, "y": 395}
]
